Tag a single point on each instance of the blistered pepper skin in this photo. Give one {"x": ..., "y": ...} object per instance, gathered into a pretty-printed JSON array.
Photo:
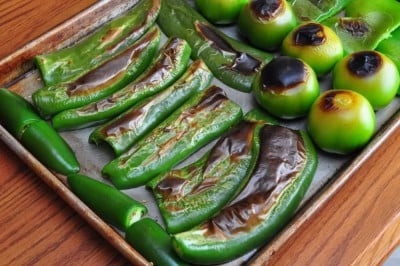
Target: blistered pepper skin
[
  {"x": 101, "y": 81},
  {"x": 232, "y": 62},
  {"x": 308, "y": 10},
  {"x": 126, "y": 129},
  {"x": 167, "y": 67},
  {"x": 68, "y": 64},
  {"x": 262, "y": 208},
  {"x": 199, "y": 121}
]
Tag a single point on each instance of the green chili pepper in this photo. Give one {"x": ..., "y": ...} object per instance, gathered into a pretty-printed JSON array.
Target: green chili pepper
[
  {"x": 125, "y": 130},
  {"x": 232, "y": 62},
  {"x": 310, "y": 10},
  {"x": 19, "y": 118},
  {"x": 199, "y": 121},
  {"x": 70, "y": 63},
  {"x": 151, "y": 241},
  {"x": 187, "y": 197},
  {"x": 281, "y": 177},
  {"x": 163, "y": 71},
  {"x": 101, "y": 81},
  {"x": 109, "y": 203}
]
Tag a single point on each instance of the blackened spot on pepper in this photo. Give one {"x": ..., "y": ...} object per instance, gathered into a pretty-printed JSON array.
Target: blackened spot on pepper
[
  {"x": 266, "y": 9},
  {"x": 309, "y": 34},
  {"x": 357, "y": 27},
  {"x": 329, "y": 102},
  {"x": 364, "y": 63}
]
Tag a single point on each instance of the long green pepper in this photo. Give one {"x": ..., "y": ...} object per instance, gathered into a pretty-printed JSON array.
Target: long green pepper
[
  {"x": 309, "y": 10},
  {"x": 68, "y": 64},
  {"x": 101, "y": 81},
  {"x": 126, "y": 129},
  {"x": 199, "y": 121},
  {"x": 163, "y": 71}
]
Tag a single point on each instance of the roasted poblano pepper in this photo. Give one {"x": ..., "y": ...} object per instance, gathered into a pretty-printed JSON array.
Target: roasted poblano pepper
[
  {"x": 200, "y": 120},
  {"x": 282, "y": 175},
  {"x": 189, "y": 196},
  {"x": 19, "y": 118},
  {"x": 107, "y": 202},
  {"x": 68, "y": 64},
  {"x": 101, "y": 81},
  {"x": 153, "y": 243},
  {"x": 311, "y": 10},
  {"x": 125, "y": 130},
  {"x": 163, "y": 71},
  {"x": 232, "y": 62}
]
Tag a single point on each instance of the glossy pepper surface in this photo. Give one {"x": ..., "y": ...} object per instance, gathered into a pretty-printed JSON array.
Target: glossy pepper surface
[
  {"x": 150, "y": 239},
  {"x": 19, "y": 118},
  {"x": 188, "y": 196},
  {"x": 126, "y": 129},
  {"x": 199, "y": 121},
  {"x": 109, "y": 203},
  {"x": 163, "y": 71},
  {"x": 101, "y": 81},
  {"x": 231, "y": 61},
  {"x": 70, "y": 63},
  {"x": 282, "y": 175},
  {"x": 309, "y": 10}
]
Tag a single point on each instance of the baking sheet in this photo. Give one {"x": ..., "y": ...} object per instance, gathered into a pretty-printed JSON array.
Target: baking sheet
[{"x": 93, "y": 158}]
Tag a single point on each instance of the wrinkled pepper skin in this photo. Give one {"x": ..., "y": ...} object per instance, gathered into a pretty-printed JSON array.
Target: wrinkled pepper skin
[
  {"x": 36, "y": 135},
  {"x": 309, "y": 10},
  {"x": 107, "y": 202},
  {"x": 126, "y": 129},
  {"x": 163, "y": 71},
  {"x": 68, "y": 64},
  {"x": 230, "y": 61},
  {"x": 101, "y": 81},
  {"x": 189, "y": 196},
  {"x": 152, "y": 242},
  {"x": 281, "y": 177},
  {"x": 200, "y": 120}
]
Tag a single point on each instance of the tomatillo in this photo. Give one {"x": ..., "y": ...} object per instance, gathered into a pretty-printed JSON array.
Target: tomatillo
[
  {"x": 286, "y": 87},
  {"x": 266, "y": 22},
  {"x": 341, "y": 121},
  {"x": 316, "y": 44},
  {"x": 369, "y": 73},
  {"x": 220, "y": 11}
]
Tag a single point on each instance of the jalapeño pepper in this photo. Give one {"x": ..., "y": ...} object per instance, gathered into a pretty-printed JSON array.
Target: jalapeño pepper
[
  {"x": 309, "y": 10},
  {"x": 199, "y": 121},
  {"x": 125, "y": 130},
  {"x": 19, "y": 118},
  {"x": 163, "y": 71},
  {"x": 70, "y": 63},
  {"x": 232, "y": 62},
  {"x": 101, "y": 81},
  {"x": 281, "y": 177}
]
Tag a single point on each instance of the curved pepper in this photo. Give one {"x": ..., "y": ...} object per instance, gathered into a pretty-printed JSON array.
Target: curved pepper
[
  {"x": 284, "y": 171},
  {"x": 163, "y": 71},
  {"x": 311, "y": 10},
  {"x": 109, "y": 203},
  {"x": 101, "y": 81},
  {"x": 188, "y": 196},
  {"x": 68, "y": 64},
  {"x": 150, "y": 239},
  {"x": 126, "y": 129},
  {"x": 232, "y": 62},
  {"x": 19, "y": 118},
  {"x": 199, "y": 121}
]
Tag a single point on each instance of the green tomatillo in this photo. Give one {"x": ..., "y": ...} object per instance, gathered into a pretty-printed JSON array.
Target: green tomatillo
[
  {"x": 369, "y": 73},
  {"x": 341, "y": 121},
  {"x": 286, "y": 87},
  {"x": 220, "y": 11},
  {"x": 266, "y": 22},
  {"x": 316, "y": 44}
]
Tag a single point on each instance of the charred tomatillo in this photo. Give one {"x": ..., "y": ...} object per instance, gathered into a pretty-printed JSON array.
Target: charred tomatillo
[
  {"x": 341, "y": 121},
  {"x": 220, "y": 11},
  {"x": 266, "y": 22},
  {"x": 369, "y": 73},
  {"x": 286, "y": 87},
  {"x": 316, "y": 44}
]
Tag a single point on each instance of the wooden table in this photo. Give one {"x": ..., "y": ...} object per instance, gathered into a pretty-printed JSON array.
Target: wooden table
[{"x": 359, "y": 224}]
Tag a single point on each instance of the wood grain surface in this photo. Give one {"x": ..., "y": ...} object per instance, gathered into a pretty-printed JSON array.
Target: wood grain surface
[{"x": 359, "y": 225}]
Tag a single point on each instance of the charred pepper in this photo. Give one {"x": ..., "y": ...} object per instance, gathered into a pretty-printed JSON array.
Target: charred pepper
[
  {"x": 199, "y": 121},
  {"x": 163, "y": 71}
]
